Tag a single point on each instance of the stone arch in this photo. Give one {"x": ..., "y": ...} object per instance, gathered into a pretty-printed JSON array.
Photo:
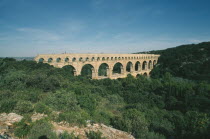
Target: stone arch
[
  {"x": 87, "y": 59},
  {"x": 58, "y": 60},
  {"x": 80, "y": 59},
  {"x": 103, "y": 69},
  {"x": 66, "y": 59},
  {"x": 119, "y": 58},
  {"x": 93, "y": 58},
  {"x": 71, "y": 71},
  {"x": 117, "y": 68},
  {"x": 145, "y": 74},
  {"x": 50, "y": 60},
  {"x": 74, "y": 59},
  {"x": 122, "y": 58},
  {"x": 88, "y": 70},
  {"x": 138, "y": 75},
  {"x": 112, "y": 58},
  {"x": 154, "y": 63},
  {"x": 150, "y": 65},
  {"x": 107, "y": 58},
  {"x": 144, "y": 65},
  {"x": 125, "y": 58},
  {"x": 129, "y": 66},
  {"x": 103, "y": 58},
  {"x": 115, "y": 58},
  {"x": 98, "y": 58},
  {"x": 41, "y": 60},
  {"x": 137, "y": 66}
]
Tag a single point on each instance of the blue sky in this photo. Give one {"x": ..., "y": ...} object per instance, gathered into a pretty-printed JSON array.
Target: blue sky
[{"x": 31, "y": 27}]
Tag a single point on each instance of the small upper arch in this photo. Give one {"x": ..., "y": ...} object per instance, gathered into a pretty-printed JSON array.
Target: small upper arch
[
  {"x": 74, "y": 59},
  {"x": 66, "y": 59},
  {"x": 41, "y": 60},
  {"x": 58, "y": 59},
  {"x": 80, "y": 59},
  {"x": 50, "y": 60},
  {"x": 87, "y": 59}
]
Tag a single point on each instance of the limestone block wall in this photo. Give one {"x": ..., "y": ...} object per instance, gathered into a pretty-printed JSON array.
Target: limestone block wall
[{"x": 139, "y": 63}]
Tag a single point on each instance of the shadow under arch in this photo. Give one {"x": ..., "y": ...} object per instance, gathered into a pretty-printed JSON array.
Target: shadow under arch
[
  {"x": 154, "y": 63},
  {"x": 102, "y": 70},
  {"x": 69, "y": 70},
  {"x": 49, "y": 60},
  {"x": 41, "y": 60},
  {"x": 129, "y": 66},
  {"x": 58, "y": 59},
  {"x": 144, "y": 65},
  {"x": 117, "y": 68},
  {"x": 150, "y": 65},
  {"x": 87, "y": 70},
  {"x": 138, "y": 75},
  {"x": 137, "y": 66},
  {"x": 145, "y": 74}
]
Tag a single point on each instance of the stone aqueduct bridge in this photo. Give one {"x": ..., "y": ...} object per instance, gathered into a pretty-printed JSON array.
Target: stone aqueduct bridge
[{"x": 133, "y": 64}]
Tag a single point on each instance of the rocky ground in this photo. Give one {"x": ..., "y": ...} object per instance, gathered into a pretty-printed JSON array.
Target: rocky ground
[{"x": 7, "y": 121}]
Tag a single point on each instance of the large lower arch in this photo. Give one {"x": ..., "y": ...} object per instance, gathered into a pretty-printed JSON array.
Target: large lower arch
[
  {"x": 103, "y": 69},
  {"x": 69, "y": 70},
  {"x": 137, "y": 66},
  {"x": 118, "y": 68},
  {"x": 144, "y": 65},
  {"x": 87, "y": 70},
  {"x": 129, "y": 67},
  {"x": 154, "y": 63},
  {"x": 150, "y": 65},
  {"x": 145, "y": 74}
]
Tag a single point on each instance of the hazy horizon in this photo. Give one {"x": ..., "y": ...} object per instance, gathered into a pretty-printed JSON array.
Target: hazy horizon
[{"x": 31, "y": 27}]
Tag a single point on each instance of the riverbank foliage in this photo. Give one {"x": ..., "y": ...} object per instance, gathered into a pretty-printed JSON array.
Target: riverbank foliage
[{"x": 163, "y": 107}]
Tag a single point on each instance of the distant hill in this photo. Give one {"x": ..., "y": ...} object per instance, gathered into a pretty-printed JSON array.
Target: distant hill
[
  {"x": 190, "y": 61},
  {"x": 21, "y": 58}
]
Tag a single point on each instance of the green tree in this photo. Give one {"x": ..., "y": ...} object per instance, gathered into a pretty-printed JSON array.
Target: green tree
[{"x": 23, "y": 107}]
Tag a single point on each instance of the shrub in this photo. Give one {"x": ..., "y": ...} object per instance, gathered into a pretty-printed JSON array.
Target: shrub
[
  {"x": 42, "y": 129},
  {"x": 42, "y": 108},
  {"x": 22, "y": 128},
  {"x": 74, "y": 117},
  {"x": 63, "y": 101},
  {"x": 66, "y": 135},
  {"x": 23, "y": 107},
  {"x": 94, "y": 135}
]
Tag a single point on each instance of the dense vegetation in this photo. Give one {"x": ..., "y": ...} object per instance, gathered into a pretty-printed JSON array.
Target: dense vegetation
[
  {"x": 186, "y": 61},
  {"x": 162, "y": 107}
]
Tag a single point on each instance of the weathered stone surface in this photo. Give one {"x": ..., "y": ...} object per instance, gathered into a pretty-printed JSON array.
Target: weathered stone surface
[
  {"x": 108, "y": 132},
  {"x": 6, "y": 122},
  {"x": 10, "y": 118},
  {"x": 37, "y": 116},
  {"x": 7, "y": 129}
]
